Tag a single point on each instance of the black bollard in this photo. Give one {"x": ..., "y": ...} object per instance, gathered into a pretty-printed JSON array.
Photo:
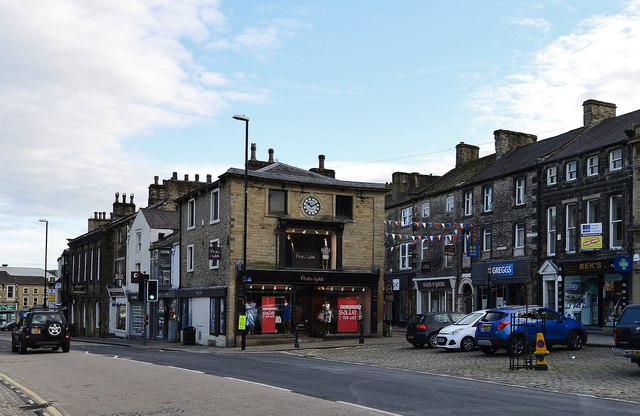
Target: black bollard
[
  {"x": 296, "y": 344},
  {"x": 361, "y": 340},
  {"x": 243, "y": 343}
]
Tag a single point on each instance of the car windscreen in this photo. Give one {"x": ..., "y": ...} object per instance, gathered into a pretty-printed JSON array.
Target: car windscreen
[
  {"x": 629, "y": 316},
  {"x": 470, "y": 318},
  {"x": 495, "y": 316}
]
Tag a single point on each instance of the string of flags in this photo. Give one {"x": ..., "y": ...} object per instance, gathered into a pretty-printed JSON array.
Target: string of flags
[{"x": 454, "y": 231}]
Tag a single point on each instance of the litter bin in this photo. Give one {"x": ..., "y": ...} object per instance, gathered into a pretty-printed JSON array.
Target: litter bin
[{"x": 188, "y": 335}]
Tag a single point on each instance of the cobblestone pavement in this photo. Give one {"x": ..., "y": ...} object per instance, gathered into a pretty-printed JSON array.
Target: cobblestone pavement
[{"x": 591, "y": 371}]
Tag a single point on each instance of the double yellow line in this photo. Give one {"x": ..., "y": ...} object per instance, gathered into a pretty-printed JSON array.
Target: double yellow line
[{"x": 50, "y": 409}]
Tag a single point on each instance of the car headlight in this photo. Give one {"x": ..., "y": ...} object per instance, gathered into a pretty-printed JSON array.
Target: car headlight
[{"x": 456, "y": 331}]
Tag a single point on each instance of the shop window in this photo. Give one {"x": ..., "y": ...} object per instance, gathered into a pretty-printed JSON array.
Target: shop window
[
  {"x": 308, "y": 249},
  {"x": 344, "y": 207},
  {"x": 269, "y": 310},
  {"x": 277, "y": 201},
  {"x": 216, "y": 316}
]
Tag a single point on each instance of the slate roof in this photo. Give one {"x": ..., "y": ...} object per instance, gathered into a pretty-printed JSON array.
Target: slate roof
[
  {"x": 282, "y": 172},
  {"x": 13, "y": 275},
  {"x": 158, "y": 219},
  {"x": 607, "y": 133},
  {"x": 166, "y": 242}
]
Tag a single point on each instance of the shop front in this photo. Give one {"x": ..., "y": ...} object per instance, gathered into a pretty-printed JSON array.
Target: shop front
[
  {"x": 400, "y": 304},
  {"x": 500, "y": 283},
  {"x": 317, "y": 303},
  {"x": 435, "y": 294},
  {"x": 595, "y": 291}
]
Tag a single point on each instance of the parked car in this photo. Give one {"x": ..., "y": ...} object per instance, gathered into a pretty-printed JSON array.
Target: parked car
[
  {"x": 423, "y": 328},
  {"x": 41, "y": 328},
  {"x": 494, "y": 331},
  {"x": 626, "y": 334},
  {"x": 8, "y": 326},
  {"x": 461, "y": 334}
]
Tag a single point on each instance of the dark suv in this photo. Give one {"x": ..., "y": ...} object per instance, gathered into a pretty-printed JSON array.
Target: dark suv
[
  {"x": 41, "y": 328},
  {"x": 626, "y": 334}
]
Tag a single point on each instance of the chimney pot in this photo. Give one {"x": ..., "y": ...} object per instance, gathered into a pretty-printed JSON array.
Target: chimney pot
[
  {"x": 117, "y": 196},
  {"x": 131, "y": 198},
  {"x": 155, "y": 179},
  {"x": 209, "y": 178},
  {"x": 253, "y": 151},
  {"x": 197, "y": 178},
  {"x": 271, "y": 155},
  {"x": 175, "y": 176},
  {"x": 321, "y": 161}
]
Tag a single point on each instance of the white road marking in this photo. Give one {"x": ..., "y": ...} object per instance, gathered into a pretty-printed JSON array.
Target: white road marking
[
  {"x": 369, "y": 408},
  {"x": 258, "y": 384}
]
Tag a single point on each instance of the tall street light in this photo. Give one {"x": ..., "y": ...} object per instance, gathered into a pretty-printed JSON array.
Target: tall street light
[
  {"x": 46, "y": 243},
  {"x": 244, "y": 225}
]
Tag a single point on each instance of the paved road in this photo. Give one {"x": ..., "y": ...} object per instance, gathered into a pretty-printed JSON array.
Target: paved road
[{"x": 592, "y": 371}]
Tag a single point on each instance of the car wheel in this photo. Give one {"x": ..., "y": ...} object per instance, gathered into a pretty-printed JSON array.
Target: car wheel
[
  {"x": 66, "y": 347},
  {"x": 575, "y": 340},
  {"x": 54, "y": 329},
  {"x": 489, "y": 350},
  {"x": 418, "y": 344},
  {"x": 23, "y": 347},
  {"x": 516, "y": 346},
  {"x": 433, "y": 340},
  {"x": 467, "y": 344}
]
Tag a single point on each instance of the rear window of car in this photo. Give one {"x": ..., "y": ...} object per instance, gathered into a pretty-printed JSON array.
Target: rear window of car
[
  {"x": 416, "y": 319},
  {"x": 629, "y": 316},
  {"x": 495, "y": 316}
]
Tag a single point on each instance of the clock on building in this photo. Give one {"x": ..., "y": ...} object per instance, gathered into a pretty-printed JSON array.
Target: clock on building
[{"x": 311, "y": 205}]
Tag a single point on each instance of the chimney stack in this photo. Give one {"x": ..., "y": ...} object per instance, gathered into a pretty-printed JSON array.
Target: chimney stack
[
  {"x": 595, "y": 111},
  {"x": 466, "y": 153},
  {"x": 270, "y": 155},
  {"x": 253, "y": 151},
  {"x": 506, "y": 141}
]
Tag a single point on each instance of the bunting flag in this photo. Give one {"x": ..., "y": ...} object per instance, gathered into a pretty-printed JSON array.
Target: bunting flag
[{"x": 437, "y": 225}]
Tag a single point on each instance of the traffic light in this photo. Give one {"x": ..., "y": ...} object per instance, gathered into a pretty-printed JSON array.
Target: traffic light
[{"x": 152, "y": 291}]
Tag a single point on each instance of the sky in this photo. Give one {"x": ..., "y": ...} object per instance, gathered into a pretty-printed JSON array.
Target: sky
[{"x": 99, "y": 97}]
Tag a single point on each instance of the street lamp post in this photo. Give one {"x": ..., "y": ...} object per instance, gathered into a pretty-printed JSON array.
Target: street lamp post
[
  {"x": 244, "y": 224},
  {"x": 46, "y": 243}
]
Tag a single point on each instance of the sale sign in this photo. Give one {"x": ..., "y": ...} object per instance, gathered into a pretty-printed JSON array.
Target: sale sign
[
  {"x": 348, "y": 309},
  {"x": 268, "y": 315}
]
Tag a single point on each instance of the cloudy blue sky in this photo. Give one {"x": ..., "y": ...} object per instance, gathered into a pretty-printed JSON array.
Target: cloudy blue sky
[{"x": 99, "y": 97}]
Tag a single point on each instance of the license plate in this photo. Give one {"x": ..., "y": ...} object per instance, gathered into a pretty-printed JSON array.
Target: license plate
[
  {"x": 35, "y": 331},
  {"x": 409, "y": 336},
  {"x": 636, "y": 353},
  {"x": 486, "y": 328}
]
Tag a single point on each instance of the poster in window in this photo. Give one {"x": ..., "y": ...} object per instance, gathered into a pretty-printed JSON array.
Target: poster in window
[
  {"x": 268, "y": 315},
  {"x": 348, "y": 309}
]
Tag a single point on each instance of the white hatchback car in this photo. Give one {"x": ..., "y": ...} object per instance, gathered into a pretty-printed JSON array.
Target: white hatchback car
[{"x": 461, "y": 335}]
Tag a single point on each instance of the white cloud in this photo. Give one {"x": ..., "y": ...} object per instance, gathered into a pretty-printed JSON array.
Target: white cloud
[
  {"x": 546, "y": 98},
  {"x": 537, "y": 23}
]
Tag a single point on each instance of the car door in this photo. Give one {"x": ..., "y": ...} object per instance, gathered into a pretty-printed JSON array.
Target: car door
[
  {"x": 556, "y": 331},
  {"x": 15, "y": 334}
]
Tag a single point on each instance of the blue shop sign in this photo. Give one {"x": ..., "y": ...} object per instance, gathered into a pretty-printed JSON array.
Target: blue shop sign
[
  {"x": 622, "y": 264},
  {"x": 504, "y": 269}
]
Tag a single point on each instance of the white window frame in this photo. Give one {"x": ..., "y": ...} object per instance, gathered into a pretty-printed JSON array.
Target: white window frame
[
  {"x": 520, "y": 191},
  {"x": 35, "y": 291},
  {"x": 11, "y": 292},
  {"x": 448, "y": 260},
  {"x": 450, "y": 203},
  {"x": 571, "y": 173},
  {"x": 25, "y": 290},
  {"x": 551, "y": 230},
  {"x": 615, "y": 160},
  {"x": 214, "y": 264},
  {"x": 486, "y": 240},
  {"x": 426, "y": 209},
  {"x": 406, "y": 216},
  {"x": 214, "y": 206},
  {"x": 190, "y": 257},
  {"x": 468, "y": 203},
  {"x": 404, "y": 257},
  {"x": 615, "y": 222},
  {"x": 487, "y": 202},
  {"x": 138, "y": 241},
  {"x": 519, "y": 235},
  {"x": 191, "y": 214},
  {"x": 25, "y": 302},
  {"x": 424, "y": 250},
  {"x": 570, "y": 227},
  {"x": 588, "y": 210},
  {"x": 592, "y": 166},
  {"x": 552, "y": 175}
]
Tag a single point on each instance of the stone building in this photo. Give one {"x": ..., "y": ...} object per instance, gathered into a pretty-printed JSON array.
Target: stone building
[
  {"x": 21, "y": 288},
  {"x": 314, "y": 249},
  {"x": 587, "y": 217}
]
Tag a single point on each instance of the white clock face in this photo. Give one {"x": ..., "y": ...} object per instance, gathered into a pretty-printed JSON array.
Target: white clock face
[{"x": 311, "y": 205}]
